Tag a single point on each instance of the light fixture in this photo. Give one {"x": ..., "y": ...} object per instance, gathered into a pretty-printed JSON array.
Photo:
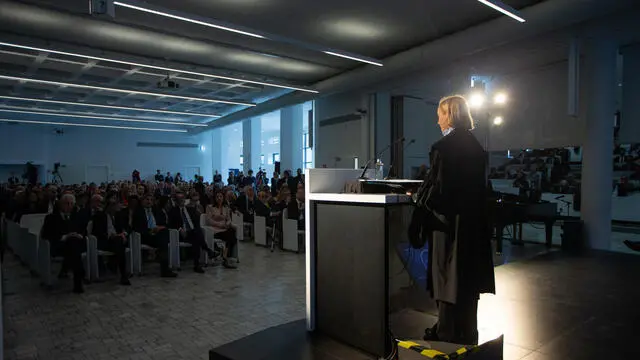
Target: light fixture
[
  {"x": 162, "y": 68},
  {"x": 182, "y": 18},
  {"x": 353, "y": 58},
  {"x": 126, "y": 108},
  {"x": 202, "y": 148},
  {"x": 88, "y": 125},
  {"x": 500, "y": 98},
  {"x": 110, "y": 118},
  {"x": 498, "y": 120},
  {"x": 503, "y": 8},
  {"x": 80, "y": 86},
  {"x": 476, "y": 100},
  {"x": 209, "y": 23}
]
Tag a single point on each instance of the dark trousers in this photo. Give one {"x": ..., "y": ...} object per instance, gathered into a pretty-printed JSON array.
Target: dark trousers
[
  {"x": 458, "y": 322},
  {"x": 230, "y": 240},
  {"x": 160, "y": 241},
  {"x": 195, "y": 237},
  {"x": 72, "y": 249},
  {"x": 115, "y": 245}
]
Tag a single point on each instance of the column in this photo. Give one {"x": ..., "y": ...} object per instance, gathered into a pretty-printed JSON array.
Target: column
[
  {"x": 597, "y": 163},
  {"x": 216, "y": 151},
  {"x": 247, "y": 138},
  {"x": 291, "y": 146}
]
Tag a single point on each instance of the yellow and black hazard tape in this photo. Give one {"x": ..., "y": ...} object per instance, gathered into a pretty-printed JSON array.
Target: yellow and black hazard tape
[{"x": 435, "y": 354}]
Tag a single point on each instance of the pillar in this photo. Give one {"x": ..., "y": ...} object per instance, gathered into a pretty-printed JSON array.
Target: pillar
[
  {"x": 597, "y": 162},
  {"x": 291, "y": 147},
  {"x": 216, "y": 151},
  {"x": 251, "y": 144}
]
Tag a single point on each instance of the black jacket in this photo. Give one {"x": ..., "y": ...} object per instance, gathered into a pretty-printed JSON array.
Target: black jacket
[
  {"x": 99, "y": 228},
  {"x": 245, "y": 206},
  {"x": 55, "y": 227},
  {"x": 455, "y": 189},
  {"x": 140, "y": 223},
  {"x": 176, "y": 221}
]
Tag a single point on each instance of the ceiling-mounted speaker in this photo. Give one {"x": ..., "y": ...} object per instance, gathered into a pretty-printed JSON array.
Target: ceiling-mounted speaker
[{"x": 102, "y": 8}]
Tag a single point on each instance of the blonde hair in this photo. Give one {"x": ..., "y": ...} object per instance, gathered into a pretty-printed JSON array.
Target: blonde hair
[{"x": 456, "y": 110}]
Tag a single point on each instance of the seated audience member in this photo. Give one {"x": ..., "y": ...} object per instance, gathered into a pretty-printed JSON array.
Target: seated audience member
[
  {"x": 194, "y": 202},
  {"x": 109, "y": 227},
  {"x": 164, "y": 205},
  {"x": 129, "y": 212},
  {"x": 249, "y": 205},
  {"x": 153, "y": 230},
  {"x": 217, "y": 179},
  {"x": 158, "y": 177},
  {"x": 86, "y": 214},
  {"x": 187, "y": 221},
  {"x": 178, "y": 178},
  {"x": 231, "y": 199},
  {"x": 219, "y": 218},
  {"x": 66, "y": 235},
  {"x": 295, "y": 209},
  {"x": 142, "y": 190},
  {"x": 13, "y": 179},
  {"x": 231, "y": 180},
  {"x": 168, "y": 178}
]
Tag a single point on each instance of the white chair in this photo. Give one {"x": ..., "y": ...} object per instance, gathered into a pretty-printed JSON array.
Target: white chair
[
  {"x": 290, "y": 233},
  {"x": 136, "y": 247},
  {"x": 209, "y": 238},
  {"x": 95, "y": 254},
  {"x": 29, "y": 239},
  {"x": 45, "y": 261},
  {"x": 260, "y": 230},
  {"x": 237, "y": 219}
]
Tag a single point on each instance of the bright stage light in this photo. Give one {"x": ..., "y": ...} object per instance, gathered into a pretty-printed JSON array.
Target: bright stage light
[
  {"x": 503, "y": 8},
  {"x": 476, "y": 100},
  {"x": 500, "y": 98},
  {"x": 498, "y": 120}
]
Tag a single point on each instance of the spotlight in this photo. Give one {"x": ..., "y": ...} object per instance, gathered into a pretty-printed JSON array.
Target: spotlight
[
  {"x": 202, "y": 148},
  {"x": 476, "y": 100},
  {"x": 500, "y": 98},
  {"x": 498, "y": 120}
]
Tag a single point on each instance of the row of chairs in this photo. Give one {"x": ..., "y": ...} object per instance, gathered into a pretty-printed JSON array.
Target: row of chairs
[
  {"x": 290, "y": 233},
  {"x": 35, "y": 253}
]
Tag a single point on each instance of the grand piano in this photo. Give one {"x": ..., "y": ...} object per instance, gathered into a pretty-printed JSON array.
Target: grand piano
[{"x": 510, "y": 209}]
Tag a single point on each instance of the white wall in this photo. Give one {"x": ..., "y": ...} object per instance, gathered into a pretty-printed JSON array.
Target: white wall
[
  {"x": 81, "y": 150},
  {"x": 420, "y": 123},
  {"x": 231, "y": 147},
  {"x": 338, "y": 144}
]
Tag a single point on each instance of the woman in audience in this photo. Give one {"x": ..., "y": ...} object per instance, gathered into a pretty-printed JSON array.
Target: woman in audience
[{"x": 219, "y": 218}]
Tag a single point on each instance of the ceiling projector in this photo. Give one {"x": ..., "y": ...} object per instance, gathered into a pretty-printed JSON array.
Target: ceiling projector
[{"x": 168, "y": 84}]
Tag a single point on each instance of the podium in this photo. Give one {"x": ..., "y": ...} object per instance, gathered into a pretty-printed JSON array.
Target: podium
[{"x": 354, "y": 267}]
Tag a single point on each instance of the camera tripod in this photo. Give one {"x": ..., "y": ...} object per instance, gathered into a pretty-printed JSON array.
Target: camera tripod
[{"x": 56, "y": 178}]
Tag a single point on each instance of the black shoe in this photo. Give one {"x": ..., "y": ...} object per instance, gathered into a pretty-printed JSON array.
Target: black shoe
[
  {"x": 168, "y": 274},
  {"x": 78, "y": 289},
  {"x": 125, "y": 281},
  {"x": 198, "y": 269},
  {"x": 227, "y": 265},
  {"x": 430, "y": 334}
]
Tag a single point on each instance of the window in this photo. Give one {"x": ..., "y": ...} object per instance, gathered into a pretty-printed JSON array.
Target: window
[
  {"x": 307, "y": 152},
  {"x": 276, "y": 157},
  {"x": 274, "y": 140},
  {"x": 262, "y": 159},
  {"x": 241, "y": 160}
]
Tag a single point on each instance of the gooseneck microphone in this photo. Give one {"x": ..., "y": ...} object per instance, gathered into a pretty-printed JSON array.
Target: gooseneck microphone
[
  {"x": 378, "y": 155},
  {"x": 403, "y": 149}
]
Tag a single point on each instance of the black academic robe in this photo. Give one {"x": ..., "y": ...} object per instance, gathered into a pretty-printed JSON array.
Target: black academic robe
[{"x": 452, "y": 203}]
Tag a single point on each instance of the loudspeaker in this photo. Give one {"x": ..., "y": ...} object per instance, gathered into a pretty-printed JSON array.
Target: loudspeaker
[{"x": 277, "y": 168}]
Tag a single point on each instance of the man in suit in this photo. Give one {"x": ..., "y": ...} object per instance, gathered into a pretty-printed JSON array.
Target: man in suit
[
  {"x": 249, "y": 205},
  {"x": 154, "y": 232},
  {"x": 86, "y": 214},
  {"x": 187, "y": 221},
  {"x": 159, "y": 177},
  {"x": 108, "y": 227},
  {"x": 13, "y": 180},
  {"x": 66, "y": 234},
  {"x": 168, "y": 178}
]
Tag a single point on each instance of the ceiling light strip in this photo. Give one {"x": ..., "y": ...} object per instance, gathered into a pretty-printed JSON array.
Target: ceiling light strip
[
  {"x": 353, "y": 58},
  {"x": 503, "y": 8},
  {"x": 80, "y": 86},
  {"x": 126, "y": 108},
  {"x": 110, "y": 118},
  {"x": 89, "y": 125},
  {"x": 194, "y": 21},
  {"x": 163, "y": 68}
]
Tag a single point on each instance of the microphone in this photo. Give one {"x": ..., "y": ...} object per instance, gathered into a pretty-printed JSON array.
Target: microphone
[
  {"x": 366, "y": 166},
  {"x": 403, "y": 149},
  {"x": 559, "y": 197}
]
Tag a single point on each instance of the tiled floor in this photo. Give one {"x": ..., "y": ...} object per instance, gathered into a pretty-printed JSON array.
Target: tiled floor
[
  {"x": 155, "y": 318},
  {"x": 185, "y": 317}
]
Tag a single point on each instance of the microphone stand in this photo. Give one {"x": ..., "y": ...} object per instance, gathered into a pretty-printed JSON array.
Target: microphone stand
[{"x": 378, "y": 155}]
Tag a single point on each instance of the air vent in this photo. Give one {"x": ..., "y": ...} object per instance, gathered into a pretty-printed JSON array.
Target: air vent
[{"x": 168, "y": 145}]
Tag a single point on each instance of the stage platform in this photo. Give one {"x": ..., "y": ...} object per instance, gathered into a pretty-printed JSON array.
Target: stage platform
[{"x": 551, "y": 307}]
